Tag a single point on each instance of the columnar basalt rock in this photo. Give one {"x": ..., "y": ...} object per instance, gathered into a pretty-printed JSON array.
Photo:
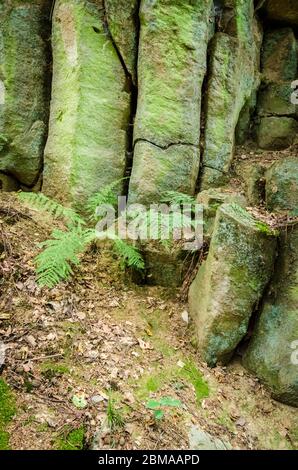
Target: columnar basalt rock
[
  {"x": 171, "y": 70},
  {"x": 90, "y": 107},
  {"x": 272, "y": 354},
  {"x": 24, "y": 78},
  {"x": 277, "y": 125},
  {"x": 231, "y": 281},
  {"x": 233, "y": 81}
]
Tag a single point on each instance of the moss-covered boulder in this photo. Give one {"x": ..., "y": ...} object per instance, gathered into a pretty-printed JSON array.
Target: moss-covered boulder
[
  {"x": 24, "y": 76},
  {"x": 275, "y": 99},
  {"x": 285, "y": 11},
  {"x": 279, "y": 55},
  {"x": 276, "y": 133},
  {"x": 272, "y": 354},
  {"x": 282, "y": 186},
  {"x": 211, "y": 199},
  {"x": 122, "y": 21},
  {"x": 233, "y": 81},
  {"x": 231, "y": 281},
  {"x": 90, "y": 107},
  {"x": 171, "y": 70}
]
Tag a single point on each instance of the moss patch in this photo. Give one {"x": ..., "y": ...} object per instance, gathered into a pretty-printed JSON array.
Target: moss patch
[
  {"x": 7, "y": 412},
  {"x": 194, "y": 376},
  {"x": 74, "y": 440},
  {"x": 52, "y": 369}
]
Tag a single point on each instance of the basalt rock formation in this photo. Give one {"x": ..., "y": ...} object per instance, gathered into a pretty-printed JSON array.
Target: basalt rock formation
[{"x": 163, "y": 92}]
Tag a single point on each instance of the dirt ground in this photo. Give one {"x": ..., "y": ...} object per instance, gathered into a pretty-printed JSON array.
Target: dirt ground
[{"x": 100, "y": 340}]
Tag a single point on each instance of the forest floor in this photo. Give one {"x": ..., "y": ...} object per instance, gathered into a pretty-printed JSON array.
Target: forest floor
[{"x": 99, "y": 348}]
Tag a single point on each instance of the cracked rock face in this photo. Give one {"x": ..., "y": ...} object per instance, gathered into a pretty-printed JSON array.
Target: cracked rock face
[
  {"x": 122, "y": 18},
  {"x": 171, "y": 69},
  {"x": 232, "y": 84},
  {"x": 24, "y": 75},
  {"x": 90, "y": 105}
]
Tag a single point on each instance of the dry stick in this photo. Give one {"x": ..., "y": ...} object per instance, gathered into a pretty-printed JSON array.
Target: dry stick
[{"x": 40, "y": 358}]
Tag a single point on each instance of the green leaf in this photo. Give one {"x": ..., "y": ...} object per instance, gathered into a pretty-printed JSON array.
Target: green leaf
[
  {"x": 168, "y": 401},
  {"x": 152, "y": 404},
  {"x": 158, "y": 414},
  {"x": 79, "y": 401}
]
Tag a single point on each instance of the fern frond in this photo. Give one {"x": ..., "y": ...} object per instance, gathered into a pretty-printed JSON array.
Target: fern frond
[
  {"x": 54, "y": 263},
  {"x": 175, "y": 197},
  {"x": 129, "y": 254},
  {"x": 108, "y": 195},
  {"x": 41, "y": 202}
]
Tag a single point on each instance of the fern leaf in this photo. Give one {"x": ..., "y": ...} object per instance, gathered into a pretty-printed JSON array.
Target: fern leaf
[
  {"x": 129, "y": 254},
  {"x": 108, "y": 195},
  {"x": 175, "y": 197},
  {"x": 42, "y": 202},
  {"x": 60, "y": 253}
]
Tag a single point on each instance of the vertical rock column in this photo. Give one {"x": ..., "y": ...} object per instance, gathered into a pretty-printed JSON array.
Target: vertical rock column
[
  {"x": 272, "y": 354},
  {"x": 277, "y": 125},
  {"x": 171, "y": 69},
  {"x": 90, "y": 105},
  {"x": 232, "y": 85},
  {"x": 231, "y": 281},
  {"x": 24, "y": 78}
]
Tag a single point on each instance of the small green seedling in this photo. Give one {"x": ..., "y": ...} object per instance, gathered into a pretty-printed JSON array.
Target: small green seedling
[{"x": 157, "y": 406}]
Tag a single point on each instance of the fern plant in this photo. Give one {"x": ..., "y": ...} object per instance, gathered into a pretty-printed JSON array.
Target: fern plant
[
  {"x": 58, "y": 211},
  {"x": 106, "y": 196},
  {"x": 62, "y": 251}
]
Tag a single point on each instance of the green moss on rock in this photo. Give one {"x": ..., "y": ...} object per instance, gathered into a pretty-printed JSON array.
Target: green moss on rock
[
  {"x": 211, "y": 200},
  {"x": 90, "y": 105},
  {"x": 230, "y": 282},
  {"x": 233, "y": 81},
  {"x": 156, "y": 171},
  {"x": 282, "y": 186},
  {"x": 24, "y": 75},
  {"x": 271, "y": 352},
  {"x": 171, "y": 69},
  {"x": 275, "y": 98},
  {"x": 122, "y": 19}
]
